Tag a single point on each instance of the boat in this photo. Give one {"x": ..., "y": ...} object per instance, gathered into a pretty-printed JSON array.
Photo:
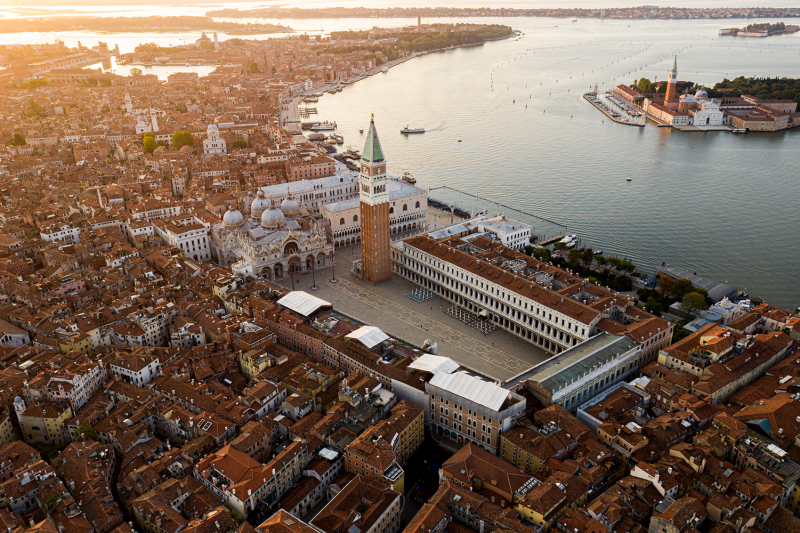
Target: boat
[
  {"x": 412, "y": 130},
  {"x": 459, "y": 140},
  {"x": 338, "y": 139},
  {"x": 324, "y": 126},
  {"x": 629, "y": 179},
  {"x": 571, "y": 238},
  {"x": 574, "y": 20},
  {"x": 360, "y": 130},
  {"x": 385, "y": 70},
  {"x": 408, "y": 178},
  {"x": 741, "y": 130}
]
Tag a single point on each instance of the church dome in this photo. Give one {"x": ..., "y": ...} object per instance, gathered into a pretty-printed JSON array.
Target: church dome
[
  {"x": 273, "y": 218},
  {"x": 290, "y": 207},
  {"x": 233, "y": 218},
  {"x": 259, "y": 205}
]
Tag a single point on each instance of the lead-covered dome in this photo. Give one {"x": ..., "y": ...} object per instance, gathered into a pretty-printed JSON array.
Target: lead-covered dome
[
  {"x": 273, "y": 218},
  {"x": 232, "y": 219},
  {"x": 259, "y": 205},
  {"x": 290, "y": 207}
]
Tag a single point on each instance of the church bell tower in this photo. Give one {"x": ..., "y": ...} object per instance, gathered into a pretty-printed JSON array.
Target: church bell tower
[{"x": 374, "y": 211}]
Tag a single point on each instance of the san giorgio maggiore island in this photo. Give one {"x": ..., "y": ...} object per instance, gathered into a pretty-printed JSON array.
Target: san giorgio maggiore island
[
  {"x": 215, "y": 322},
  {"x": 694, "y": 111}
]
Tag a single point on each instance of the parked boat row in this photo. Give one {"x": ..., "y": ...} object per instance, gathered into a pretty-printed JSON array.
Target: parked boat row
[{"x": 457, "y": 211}]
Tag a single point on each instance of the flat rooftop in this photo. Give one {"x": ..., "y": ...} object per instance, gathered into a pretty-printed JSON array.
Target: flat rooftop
[{"x": 562, "y": 369}]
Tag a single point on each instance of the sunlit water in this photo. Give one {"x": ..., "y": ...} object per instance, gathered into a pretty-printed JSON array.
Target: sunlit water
[{"x": 719, "y": 204}]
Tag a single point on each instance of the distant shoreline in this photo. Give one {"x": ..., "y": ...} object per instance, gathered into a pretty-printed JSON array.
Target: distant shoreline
[
  {"x": 154, "y": 24},
  {"x": 635, "y": 13}
]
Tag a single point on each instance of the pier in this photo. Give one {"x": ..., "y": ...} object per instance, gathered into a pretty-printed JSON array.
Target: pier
[
  {"x": 592, "y": 99},
  {"x": 554, "y": 240},
  {"x": 500, "y": 205}
]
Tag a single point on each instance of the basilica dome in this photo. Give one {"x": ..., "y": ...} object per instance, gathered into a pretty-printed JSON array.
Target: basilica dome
[
  {"x": 273, "y": 218},
  {"x": 290, "y": 207},
  {"x": 259, "y": 205},
  {"x": 233, "y": 218}
]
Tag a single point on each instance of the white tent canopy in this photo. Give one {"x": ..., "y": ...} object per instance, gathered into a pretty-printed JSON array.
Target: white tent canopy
[
  {"x": 472, "y": 388},
  {"x": 434, "y": 363},
  {"x": 369, "y": 336},
  {"x": 303, "y": 303}
]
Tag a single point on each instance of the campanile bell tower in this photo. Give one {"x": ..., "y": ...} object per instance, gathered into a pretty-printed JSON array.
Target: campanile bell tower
[{"x": 374, "y": 195}]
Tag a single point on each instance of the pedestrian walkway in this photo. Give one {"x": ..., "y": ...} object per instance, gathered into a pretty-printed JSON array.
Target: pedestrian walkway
[{"x": 484, "y": 357}]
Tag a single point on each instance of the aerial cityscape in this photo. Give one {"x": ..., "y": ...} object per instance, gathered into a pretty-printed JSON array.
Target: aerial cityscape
[{"x": 420, "y": 268}]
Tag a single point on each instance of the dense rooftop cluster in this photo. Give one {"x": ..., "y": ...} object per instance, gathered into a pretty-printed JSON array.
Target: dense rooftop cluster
[{"x": 147, "y": 385}]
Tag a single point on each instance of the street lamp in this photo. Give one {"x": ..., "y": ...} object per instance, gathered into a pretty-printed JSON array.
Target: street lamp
[{"x": 333, "y": 265}]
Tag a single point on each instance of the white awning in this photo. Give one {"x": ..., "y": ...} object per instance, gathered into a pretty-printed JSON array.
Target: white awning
[
  {"x": 302, "y": 303},
  {"x": 472, "y": 388},
  {"x": 369, "y": 336},
  {"x": 434, "y": 363}
]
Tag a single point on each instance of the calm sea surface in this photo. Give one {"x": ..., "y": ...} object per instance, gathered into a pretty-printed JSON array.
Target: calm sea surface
[{"x": 722, "y": 205}]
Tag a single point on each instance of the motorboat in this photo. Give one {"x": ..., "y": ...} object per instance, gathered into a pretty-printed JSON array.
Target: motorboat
[
  {"x": 408, "y": 177},
  {"x": 412, "y": 130},
  {"x": 569, "y": 239}
]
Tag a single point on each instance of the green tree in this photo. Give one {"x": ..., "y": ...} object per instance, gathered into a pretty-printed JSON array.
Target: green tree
[
  {"x": 253, "y": 68},
  {"x": 681, "y": 287},
  {"x": 653, "y": 306},
  {"x": 574, "y": 258},
  {"x": 136, "y": 71},
  {"x": 273, "y": 69},
  {"x": 85, "y": 430},
  {"x": 236, "y": 516},
  {"x": 600, "y": 259},
  {"x": 181, "y": 139},
  {"x": 35, "y": 110},
  {"x": 542, "y": 254},
  {"x": 692, "y": 303},
  {"x": 149, "y": 142},
  {"x": 664, "y": 285},
  {"x": 587, "y": 257},
  {"x": 238, "y": 143},
  {"x": 304, "y": 37},
  {"x": 17, "y": 140},
  {"x": 318, "y": 38}
]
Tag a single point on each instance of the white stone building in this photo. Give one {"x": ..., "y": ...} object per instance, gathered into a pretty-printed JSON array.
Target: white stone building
[
  {"x": 408, "y": 211},
  {"x": 65, "y": 232},
  {"x": 272, "y": 241},
  {"x": 214, "y": 144}
]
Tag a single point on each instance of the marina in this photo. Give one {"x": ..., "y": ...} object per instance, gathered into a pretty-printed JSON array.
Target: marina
[{"x": 616, "y": 116}]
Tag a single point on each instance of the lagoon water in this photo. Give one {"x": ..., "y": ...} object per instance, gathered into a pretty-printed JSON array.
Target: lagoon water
[{"x": 722, "y": 205}]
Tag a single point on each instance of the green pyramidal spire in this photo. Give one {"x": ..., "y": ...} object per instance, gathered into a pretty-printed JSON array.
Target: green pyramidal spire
[
  {"x": 675, "y": 64},
  {"x": 373, "y": 153}
]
